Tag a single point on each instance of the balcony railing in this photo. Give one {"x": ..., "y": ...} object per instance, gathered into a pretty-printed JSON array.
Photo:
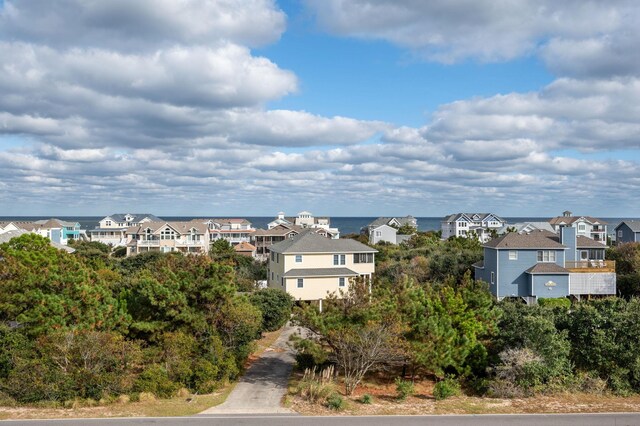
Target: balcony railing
[
  {"x": 148, "y": 242},
  {"x": 591, "y": 266}
]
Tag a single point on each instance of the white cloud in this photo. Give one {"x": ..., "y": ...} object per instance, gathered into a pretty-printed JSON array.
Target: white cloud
[{"x": 141, "y": 24}]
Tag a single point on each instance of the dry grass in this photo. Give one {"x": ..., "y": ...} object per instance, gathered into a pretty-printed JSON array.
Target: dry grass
[
  {"x": 386, "y": 403},
  {"x": 178, "y": 406},
  {"x": 173, "y": 407}
]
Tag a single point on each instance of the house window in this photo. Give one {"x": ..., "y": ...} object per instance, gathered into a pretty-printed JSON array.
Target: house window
[
  {"x": 298, "y": 258},
  {"x": 378, "y": 234},
  {"x": 300, "y": 282},
  {"x": 493, "y": 278},
  {"x": 167, "y": 234},
  {"x": 620, "y": 233},
  {"x": 277, "y": 257},
  {"x": 341, "y": 281},
  {"x": 513, "y": 255},
  {"x": 272, "y": 276},
  {"x": 339, "y": 259},
  {"x": 582, "y": 227},
  {"x": 282, "y": 281},
  {"x": 546, "y": 256},
  {"x": 363, "y": 258},
  {"x": 107, "y": 223}
]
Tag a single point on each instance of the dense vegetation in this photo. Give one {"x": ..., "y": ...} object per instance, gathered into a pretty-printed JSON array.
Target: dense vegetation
[
  {"x": 428, "y": 318},
  {"x": 93, "y": 325},
  {"x": 89, "y": 325}
]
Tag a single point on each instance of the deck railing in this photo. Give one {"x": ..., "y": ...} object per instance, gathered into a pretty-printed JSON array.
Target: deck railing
[{"x": 591, "y": 266}]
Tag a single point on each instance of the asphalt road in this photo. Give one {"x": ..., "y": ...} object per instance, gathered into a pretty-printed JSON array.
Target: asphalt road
[
  {"x": 293, "y": 420},
  {"x": 263, "y": 385}
]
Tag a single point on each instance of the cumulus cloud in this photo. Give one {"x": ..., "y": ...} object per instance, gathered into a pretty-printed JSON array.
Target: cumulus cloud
[
  {"x": 141, "y": 24},
  {"x": 164, "y": 101}
]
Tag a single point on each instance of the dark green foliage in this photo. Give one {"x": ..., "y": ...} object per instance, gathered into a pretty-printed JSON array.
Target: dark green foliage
[
  {"x": 87, "y": 325},
  {"x": 275, "y": 306},
  {"x": 366, "y": 399},
  {"x": 534, "y": 328},
  {"x": 335, "y": 402},
  {"x": 48, "y": 289},
  {"x": 446, "y": 388},
  {"x": 605, "y": 337},
  {"x": 562, "y": 302},
  {"x": 65, "y": 365},
  {"x": 155, "y": 379},
  {"x": 309, "y": 353}
]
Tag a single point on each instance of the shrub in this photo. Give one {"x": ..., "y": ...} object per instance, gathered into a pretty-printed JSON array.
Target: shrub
[
  {"x": 335, "y": 402},
  {"x": 446, "y": 388},
  {"x": 309, "y": 353},
  {"x": 562, "y": 302},
  {"x": 275, "y": 306},
  {"x": 205, "y": 376},
  {"x": 155, "y": 380},
  {"x": 404, "y": 388},
  {"x": 366, "y": 399},
  {"x": 315, "y": 385}
]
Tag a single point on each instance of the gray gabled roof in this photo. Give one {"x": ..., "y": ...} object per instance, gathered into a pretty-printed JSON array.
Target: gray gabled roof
[
  {"x": 320, "y": 272},
  {"x": 632, "y": 224},
  {"x": 407, "y": 220},
  {"x": 310, "y": 242},
  {"x": 137, "y": 217},
  {"x": 469, "y": 216},
  {"x": 538, "y": 239}
]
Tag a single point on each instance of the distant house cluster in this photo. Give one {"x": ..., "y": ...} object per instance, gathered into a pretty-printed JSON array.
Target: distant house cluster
[{"x": 60, "y": 232}]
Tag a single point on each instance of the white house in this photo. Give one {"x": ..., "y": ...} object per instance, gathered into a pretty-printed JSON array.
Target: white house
[
  {"x": 586, "y": 226},
  {"x": 386, "y": 229},
  {"x": 112, "y": 229},
  {"x": 185, "y": 237},
  {"x": 477, "y": 225}
]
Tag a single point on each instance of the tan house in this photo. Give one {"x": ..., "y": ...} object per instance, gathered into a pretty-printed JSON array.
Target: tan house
[
  {"x": 308, "y": 266},
  {"x": 185, "y": 237}
]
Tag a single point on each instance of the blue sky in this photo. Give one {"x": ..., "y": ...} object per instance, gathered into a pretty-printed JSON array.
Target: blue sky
[{"x": 364, "y": 107}]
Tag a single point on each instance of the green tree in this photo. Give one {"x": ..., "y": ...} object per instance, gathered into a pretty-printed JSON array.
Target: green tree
[
  {"x": 46, "y": 289},
  {"x": 275, "y": 306}
]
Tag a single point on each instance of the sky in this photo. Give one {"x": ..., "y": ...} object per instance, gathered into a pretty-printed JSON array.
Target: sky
[{"x": 339, "y": 107}]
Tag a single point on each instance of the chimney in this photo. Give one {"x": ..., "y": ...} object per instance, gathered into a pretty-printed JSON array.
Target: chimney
[
  {"x": 566, "y": 213},
  {"x": 280, "y": 215},
  {"x": 568, "y": 238}
]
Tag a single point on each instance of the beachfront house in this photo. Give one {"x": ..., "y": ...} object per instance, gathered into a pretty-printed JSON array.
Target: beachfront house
[
  {"x": 234, "y": 230},
  {"x": 112, "y": 229},
  {"x": 309, "y": 266},
  {"x": 586, "y": 226},
  {"x": 628, "y": 231},
  {"x": 185, "y": 237},
  {"x": 482, "y": 226},
  {"x": 305, "y": 219},
  {"x": 542, "y": 264}
]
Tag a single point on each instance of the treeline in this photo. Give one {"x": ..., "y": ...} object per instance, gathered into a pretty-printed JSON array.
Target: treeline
[
  {"x": 427, "y": 317},
  {"x": 88, "y": 325}
]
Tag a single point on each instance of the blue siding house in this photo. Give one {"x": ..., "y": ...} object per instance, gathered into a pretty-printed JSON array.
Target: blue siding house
[
  {"x": 542, "y": 264},
  {"x": 628, "y": 232}
]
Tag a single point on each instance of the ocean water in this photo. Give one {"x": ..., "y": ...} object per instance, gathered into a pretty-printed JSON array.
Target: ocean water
[{"x": 346, "y": 225}]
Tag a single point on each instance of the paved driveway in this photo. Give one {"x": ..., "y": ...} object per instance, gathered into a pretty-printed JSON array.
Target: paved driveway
[{"x": 264, "y": 384}]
